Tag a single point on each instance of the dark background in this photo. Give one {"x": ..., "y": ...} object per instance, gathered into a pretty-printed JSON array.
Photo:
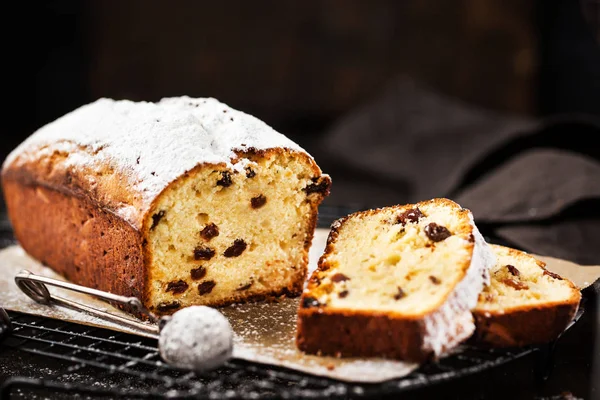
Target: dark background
[
  {"x": 298, "y": 65},
  {"x": 301, "y": 66}
]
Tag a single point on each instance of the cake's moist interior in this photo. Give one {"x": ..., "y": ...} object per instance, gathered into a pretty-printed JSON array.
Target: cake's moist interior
[
  {"x": 226, "y": 234},
  {"x": 517, "y": 280},
  {"x": 388, "y": 262}
]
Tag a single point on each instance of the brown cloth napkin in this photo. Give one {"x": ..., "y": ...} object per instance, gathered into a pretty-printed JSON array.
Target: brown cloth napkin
[{"x": 533, "y": 183}]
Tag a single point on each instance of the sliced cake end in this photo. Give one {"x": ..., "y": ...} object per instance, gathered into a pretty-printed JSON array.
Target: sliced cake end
[
  {"x": 396, "y": 282},
  {"x": 524, "y": 303}
]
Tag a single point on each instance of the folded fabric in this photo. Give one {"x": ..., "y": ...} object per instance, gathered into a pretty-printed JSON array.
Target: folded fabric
[{"x": 534, "y": 182}]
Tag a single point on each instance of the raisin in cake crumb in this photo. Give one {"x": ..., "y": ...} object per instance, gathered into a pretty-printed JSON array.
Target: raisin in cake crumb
[
  {"x": 156, "y": 219},
  {"x": 163, "y": 307},
  {"x": 400, "y": 294},
  {"x": 206, "y": 287},
  {"x": 203, "y": 253},
  {"x": 235, "y": 250},
  {"x": 317, "y": 187},
  {"x": 411, "y": 215},
  {"x": 513, "y": 270},
  {"x": 258, "y": 201},
  {"x": 198, "y": 273},
  {"x": 339, "y": 277},
  {"x": 225, "y": 180},
  {"x": 515, "y": 284},
  {"x": 177, "y": 287},
  {"x": 210, "y": 231},
  {"x": 436, "y": 232}
]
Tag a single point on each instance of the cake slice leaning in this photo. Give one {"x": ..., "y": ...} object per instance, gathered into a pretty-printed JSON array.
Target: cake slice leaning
[
  {"x": 396, "y": 282},
  {"x": 524, "y": 303}
]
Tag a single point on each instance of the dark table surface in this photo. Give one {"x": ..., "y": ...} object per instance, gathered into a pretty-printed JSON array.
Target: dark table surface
[{"x": 574, "y": 370}]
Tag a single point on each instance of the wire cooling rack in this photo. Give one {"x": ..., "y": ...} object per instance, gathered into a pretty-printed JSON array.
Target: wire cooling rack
[
  {"x": 93, "y": 362},
  {"x": 101, "y": 362}
]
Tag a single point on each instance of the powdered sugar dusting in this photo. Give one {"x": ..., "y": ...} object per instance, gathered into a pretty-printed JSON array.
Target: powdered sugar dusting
[
  {"x": 453, "y": 322},
  {"x": 197, "y": 337},
  {"x": 150, "y": 144}
]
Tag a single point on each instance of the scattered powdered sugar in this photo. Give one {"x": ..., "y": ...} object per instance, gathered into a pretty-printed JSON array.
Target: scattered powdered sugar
[
  {"x": 150, "y": 144},
  {"x": 197, "y": 337},
  {"x": 453, "y": 322}
]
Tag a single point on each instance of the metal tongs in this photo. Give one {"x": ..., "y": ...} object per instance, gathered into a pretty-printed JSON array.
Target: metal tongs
[
  {"x": 34, "y": 286},
  {"x": 185, "y": 351}
]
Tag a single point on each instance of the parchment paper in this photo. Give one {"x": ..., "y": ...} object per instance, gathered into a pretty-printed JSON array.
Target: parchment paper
[{"x": 264, "y": 332}]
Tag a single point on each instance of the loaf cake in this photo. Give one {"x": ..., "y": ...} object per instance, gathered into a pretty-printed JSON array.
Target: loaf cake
[
  {"x": 180, "y": 202},
  {"x": 524, "y": 303},
  {"x": 397, "y": 282}
]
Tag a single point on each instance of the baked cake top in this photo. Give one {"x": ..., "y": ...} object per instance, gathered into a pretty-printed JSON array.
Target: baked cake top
[{"x": 143, "y": 145}]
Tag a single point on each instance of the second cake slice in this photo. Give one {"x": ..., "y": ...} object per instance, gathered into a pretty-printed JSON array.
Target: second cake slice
[
  {"x": 397, "y": 282},
  {"x": 524, "y": 303}
]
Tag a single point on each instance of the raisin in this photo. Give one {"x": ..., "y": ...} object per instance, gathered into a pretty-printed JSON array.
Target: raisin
[
  {"x": 258, "y": 201},
  {"x": 168, "y": 306},
  {"x": 250, "y": 173},
  {"x": 245, "y": 287},
  {"x": 177, "y": 287},
  {"x": 400, "y": 294},
  {"x": 198, "y": 273},
  {"x": 317, "y": 187},
  {"x": 156, "y": 218},
  {"x": 339, "y": 278},
  {"x": 225, "y": 180},
  {"x": 434, "y": 280},
  {"x": 210, "y": 231},
  {"x": 515, "y": 284},
  {"x": 436, "y": 232},
  {"x": 203, "y": 253},
  {"x": 309, "y": 302},
  {"x": 206, "y": 287},
  {"x": 343, "y": 294},
  {"x": 513, "y": 270},
  {"x": 236, "y": 249},
  {"x": 411, "y": 215},
  {"x": 552, "y": 275}
]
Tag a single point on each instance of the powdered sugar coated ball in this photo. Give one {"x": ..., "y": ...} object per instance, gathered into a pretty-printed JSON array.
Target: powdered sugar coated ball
[{"x": 196, "y": 337}]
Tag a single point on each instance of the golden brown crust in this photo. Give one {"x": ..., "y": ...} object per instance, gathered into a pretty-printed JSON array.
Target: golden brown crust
[
  {"x": 86, "y": 244},
  {"x": 104, "y": 187},
  {"x": 525, "y": 325},
  {"x": 367, "y": 335}
]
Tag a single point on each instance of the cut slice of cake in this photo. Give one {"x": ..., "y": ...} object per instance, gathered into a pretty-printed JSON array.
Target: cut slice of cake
[
  {"x": 396, "y": 282},
  {"x": 185, "y": 201},
  {"x": 524, "y": 303}
]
